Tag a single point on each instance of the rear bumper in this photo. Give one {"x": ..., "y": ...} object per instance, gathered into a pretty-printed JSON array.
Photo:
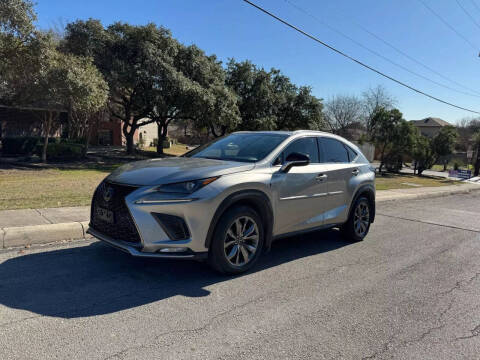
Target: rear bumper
[{"x": 136, "y": 250}]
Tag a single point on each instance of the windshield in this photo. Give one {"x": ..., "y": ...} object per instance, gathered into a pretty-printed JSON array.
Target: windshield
[{"x": 247, "y": 147}]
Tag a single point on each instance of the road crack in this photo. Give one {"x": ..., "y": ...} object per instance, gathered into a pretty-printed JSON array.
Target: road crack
[
  {"x": 429, "y": 223},
  {"x": 475, "y": 332}
]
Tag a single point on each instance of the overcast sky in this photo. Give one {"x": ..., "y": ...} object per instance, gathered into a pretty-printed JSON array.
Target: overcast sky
[{"x": 231, "y": 28}]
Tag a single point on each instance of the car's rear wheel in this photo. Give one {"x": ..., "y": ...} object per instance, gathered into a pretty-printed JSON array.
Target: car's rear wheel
[
  {"x": 237, "y": 242},
  {"x": 358, "y": 224}
]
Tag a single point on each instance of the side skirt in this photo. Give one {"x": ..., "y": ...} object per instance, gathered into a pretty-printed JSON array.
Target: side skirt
[{"x": 305, "y": 231}]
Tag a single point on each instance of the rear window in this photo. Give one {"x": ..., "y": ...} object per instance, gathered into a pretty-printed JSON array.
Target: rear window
[
  {"x": 334, "y": 151},
  {"x": 352, "y": 155}
]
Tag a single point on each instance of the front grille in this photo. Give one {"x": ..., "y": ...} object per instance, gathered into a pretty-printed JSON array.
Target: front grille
[
  {"x": 174, "y": 226},
  {"x": 123, "y": 226}
]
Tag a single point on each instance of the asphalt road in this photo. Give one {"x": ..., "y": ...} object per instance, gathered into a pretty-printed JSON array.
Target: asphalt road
[{"x": 411, "y": 290}]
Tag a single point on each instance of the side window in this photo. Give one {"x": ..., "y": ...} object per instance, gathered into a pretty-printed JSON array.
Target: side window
[
  {"x": 334, "y": 151},
  {"x": 351, "y": 153},
  {"x": 307, "y": 146}
]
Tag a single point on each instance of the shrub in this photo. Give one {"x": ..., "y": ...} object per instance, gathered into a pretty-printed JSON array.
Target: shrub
[
  {"x": 25, "y": 145},
  {"x": 62, "y": 150}
]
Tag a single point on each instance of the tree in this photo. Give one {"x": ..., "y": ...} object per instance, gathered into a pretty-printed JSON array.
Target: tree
[
  {"x": 124, "y": 54},
  {"x": 373, "y": 99},
  {"x": 402, "y": 145},
  {"x": 16, "y": 27},
  {"x": 444, "y": 143},
  {"x": 341, "y": 112},
  {"x": 476, "y": 145},
  {"x": 386, "y": 125},
  {"x": 87, "y": 95},
  {"x": 301, "y": 110},
  {"x": 16, "y": 36},
  {"x": 428, "y": 151},
  {"x": 214, "y": 105},
  {"x": 35, "y": 74},
  {"x": 64, "y": 82},
  {"x": 86, "y": 38},
  {"x": 423, "y": 154},
  {"x": 270, "y": 101},
  {"x": 223, "y": 115},
  {"x": 256, "y": 97}
]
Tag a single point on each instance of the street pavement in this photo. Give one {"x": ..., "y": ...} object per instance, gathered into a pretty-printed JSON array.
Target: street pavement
[{"x": 411, "y": 290}]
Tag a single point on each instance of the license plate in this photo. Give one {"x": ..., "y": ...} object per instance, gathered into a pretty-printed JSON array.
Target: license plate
[{"x": 105, "y": 215}]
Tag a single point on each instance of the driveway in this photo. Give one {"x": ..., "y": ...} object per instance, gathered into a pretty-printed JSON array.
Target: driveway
[{"x": 409, "y": 291}]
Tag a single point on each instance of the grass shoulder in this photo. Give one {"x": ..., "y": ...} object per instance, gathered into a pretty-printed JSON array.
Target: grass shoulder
[{"x": 389, "y": 181}]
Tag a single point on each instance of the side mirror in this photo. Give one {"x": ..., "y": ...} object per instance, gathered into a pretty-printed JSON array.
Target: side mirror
[{"x": 295, "y": 159}]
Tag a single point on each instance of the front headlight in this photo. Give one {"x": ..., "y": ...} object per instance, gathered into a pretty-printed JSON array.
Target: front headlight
[{"x": 186, "y": 187}]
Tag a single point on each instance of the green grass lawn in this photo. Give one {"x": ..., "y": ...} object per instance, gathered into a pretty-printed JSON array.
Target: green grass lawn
[
  {"x": 32, "y": 188},
  {"x": 396, "y": 181},
  {"x": 175, "y": 149},
  {"x": 450, "y": 167},
  {"x": 21, "y": 189}
]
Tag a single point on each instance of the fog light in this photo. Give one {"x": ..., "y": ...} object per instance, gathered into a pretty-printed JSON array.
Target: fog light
[{"x": 173, "y": 250}]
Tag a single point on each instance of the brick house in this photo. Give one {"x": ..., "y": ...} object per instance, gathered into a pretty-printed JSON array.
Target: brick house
[
  {"x": 26, "y": 121},
  {"x": 109, "y": 132}
]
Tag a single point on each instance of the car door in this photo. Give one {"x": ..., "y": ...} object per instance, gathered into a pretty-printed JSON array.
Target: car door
[
  {"x": 299, "y": 193},
  {"x": 340, "y": 171}
]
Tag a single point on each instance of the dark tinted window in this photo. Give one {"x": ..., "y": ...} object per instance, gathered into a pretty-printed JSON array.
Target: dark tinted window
[
  {"x": 247, "y": 147},
  {"x": 307, "y": 146},
  {"x": 334, "y": 151}
]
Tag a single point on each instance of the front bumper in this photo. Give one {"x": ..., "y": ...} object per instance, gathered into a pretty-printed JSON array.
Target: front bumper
[
  {"x": 143, "y": 224},
  {"x": 136, "y": 251}
]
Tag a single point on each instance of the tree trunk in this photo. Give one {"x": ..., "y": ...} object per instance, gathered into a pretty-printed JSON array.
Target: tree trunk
[
  {"x": 212, "y": 129},
  {"x": 129, "y": 140},
  {"x": 48, "y": 126},
  {"x": 162, "y": 135},
  {"x": 87, "y": 139},
  {"x": 382, "y": 159},
  {"x": 476, "y": 170}
]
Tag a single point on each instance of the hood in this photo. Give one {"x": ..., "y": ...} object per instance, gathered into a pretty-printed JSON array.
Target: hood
[{"x": 171, "y": 170}]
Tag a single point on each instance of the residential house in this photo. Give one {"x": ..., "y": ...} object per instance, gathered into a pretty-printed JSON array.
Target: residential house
[
  {"x": 430, "y": 126},
  {"x": 27, "y": 121}
]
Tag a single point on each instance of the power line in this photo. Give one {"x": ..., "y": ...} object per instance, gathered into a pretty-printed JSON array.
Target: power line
[
  {"x": 414, "y": 59},
  {"x": 382, "y": 56},
  {"x": 467, "y": 13},
  {"x": 475, "y": 4},
  {"x": 355, "y": 60},
  {"x": 449, "y": 26}
]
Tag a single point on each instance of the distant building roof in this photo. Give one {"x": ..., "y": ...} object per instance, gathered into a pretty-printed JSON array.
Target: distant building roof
[{"x": 430, "y": 122}]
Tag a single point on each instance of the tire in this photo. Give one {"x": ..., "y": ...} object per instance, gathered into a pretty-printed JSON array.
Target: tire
[
  {"x": 230, "y": 248},
  {"x": 358, "y": 224}
]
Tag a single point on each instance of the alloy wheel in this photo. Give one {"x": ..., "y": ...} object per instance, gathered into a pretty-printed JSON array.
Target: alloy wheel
[
  {"x": 361, "y": 219},
  {"x": 241, "y": 241}
]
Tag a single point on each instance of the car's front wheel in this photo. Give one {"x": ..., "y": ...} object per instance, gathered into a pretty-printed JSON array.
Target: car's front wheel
[
  {"x": 358, "y": 224},
  {"x": 237, "y": 242}
]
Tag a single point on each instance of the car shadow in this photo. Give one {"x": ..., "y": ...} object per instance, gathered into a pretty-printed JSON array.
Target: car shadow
[{"x": 97, "y": 279}]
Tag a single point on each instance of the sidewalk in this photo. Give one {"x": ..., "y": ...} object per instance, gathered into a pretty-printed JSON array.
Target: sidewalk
[{"x": 38, "y": 226}]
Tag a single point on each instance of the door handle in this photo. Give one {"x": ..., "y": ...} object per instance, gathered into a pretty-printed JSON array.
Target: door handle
[
  {"x": 355, "y": 172},
  {"x": 321, "y": 177}
]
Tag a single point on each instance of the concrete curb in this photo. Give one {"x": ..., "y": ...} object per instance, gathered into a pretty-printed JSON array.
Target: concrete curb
[
  {"x": 401, "y": 196},
  {"x": 42, "y": 234},
  {"x": 20, "y": 236}
]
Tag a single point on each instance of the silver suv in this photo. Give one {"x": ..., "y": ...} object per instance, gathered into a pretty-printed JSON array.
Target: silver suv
[{"x": 226, "y": 201}]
